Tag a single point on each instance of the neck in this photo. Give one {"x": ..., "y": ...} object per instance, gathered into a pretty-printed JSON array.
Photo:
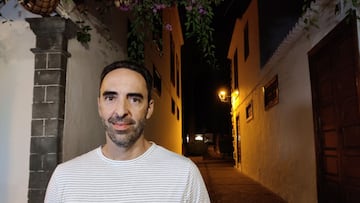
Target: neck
[{"x": 115, "y": 152}]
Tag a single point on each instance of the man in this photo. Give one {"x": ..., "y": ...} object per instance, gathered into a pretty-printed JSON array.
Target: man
[{"x": 128, "y": 168}]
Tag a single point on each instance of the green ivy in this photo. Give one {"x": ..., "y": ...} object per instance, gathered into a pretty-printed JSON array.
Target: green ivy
[
  {"x": 146, "y": 14},
  {"x": 83, "y": 34}
]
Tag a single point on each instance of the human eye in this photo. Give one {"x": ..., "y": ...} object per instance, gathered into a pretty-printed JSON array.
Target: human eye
[
  {"x": 135, "y": 100},
  {"x": 109, "y": 97}
]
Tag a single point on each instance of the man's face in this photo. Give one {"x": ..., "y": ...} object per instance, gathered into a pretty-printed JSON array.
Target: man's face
[{"x": 123, "y": 106}]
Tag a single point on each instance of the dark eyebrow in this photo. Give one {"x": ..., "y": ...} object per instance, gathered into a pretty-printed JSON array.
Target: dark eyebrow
[
  {"x": 135, "y": 95},
  {"x": 106, "y": 93}
]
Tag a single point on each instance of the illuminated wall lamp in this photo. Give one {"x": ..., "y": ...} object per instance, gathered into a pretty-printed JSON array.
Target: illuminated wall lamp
[{"x": 223, "y": 96}]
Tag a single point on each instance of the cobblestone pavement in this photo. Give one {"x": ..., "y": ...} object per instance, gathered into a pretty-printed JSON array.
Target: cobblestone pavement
[{"x": 227, "y": 184}]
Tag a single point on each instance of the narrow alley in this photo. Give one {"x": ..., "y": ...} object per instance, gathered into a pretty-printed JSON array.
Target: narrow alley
[{"x": 227, "y": 184}]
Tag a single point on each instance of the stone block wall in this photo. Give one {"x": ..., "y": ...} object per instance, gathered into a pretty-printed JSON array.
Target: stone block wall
[{"x": 47, "y": 123}]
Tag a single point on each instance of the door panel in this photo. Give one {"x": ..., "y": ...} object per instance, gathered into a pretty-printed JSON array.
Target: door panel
[
  {"x": 334, "y": 74},
  {"x": 351, "y": 136}
]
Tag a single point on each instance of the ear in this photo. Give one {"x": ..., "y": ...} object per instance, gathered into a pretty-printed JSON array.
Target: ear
[{"x": 150, "y": 109}]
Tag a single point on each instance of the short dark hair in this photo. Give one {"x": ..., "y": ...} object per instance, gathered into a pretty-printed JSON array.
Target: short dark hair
[{"x": 139, "y": 68}]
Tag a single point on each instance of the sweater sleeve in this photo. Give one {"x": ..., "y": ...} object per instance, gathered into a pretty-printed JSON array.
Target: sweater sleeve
[
  {"x": 197, "y": 191},
  {"x": 52, "y": 194}
]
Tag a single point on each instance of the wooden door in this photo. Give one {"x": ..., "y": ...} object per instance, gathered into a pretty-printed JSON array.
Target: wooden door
[{"x": 334, "y": 74}]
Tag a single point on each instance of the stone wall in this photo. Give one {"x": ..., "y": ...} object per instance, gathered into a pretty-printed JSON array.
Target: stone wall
[{"x": 52, "y": 35}]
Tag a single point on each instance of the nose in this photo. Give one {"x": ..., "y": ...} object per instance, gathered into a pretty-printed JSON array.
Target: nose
[{"x": 121, "y": 108}]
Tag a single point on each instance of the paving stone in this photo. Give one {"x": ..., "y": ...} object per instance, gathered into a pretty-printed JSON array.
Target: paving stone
[{"x": 227, "y": 184}]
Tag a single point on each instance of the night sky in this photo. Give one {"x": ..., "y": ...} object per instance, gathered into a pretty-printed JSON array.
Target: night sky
[{"x": 202, "y": 110}]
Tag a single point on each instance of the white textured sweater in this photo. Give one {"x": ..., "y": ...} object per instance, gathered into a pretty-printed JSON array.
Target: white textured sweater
[{"x": 158, "y": 175}]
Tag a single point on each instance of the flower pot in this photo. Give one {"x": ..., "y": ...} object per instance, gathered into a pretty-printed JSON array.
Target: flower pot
[{"x": 40, "y": 7}]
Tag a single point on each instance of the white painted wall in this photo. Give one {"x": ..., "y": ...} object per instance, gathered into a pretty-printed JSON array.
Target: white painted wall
[
  {"x": 278, "y": 144},
  {"x": 16, "y": 89}
]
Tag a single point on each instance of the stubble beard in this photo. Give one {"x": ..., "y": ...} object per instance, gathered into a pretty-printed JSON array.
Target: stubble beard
[{"x": 124, "y": 138}]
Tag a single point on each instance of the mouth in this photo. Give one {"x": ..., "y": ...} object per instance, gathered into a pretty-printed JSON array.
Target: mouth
[{"x": 121, "y": 126}]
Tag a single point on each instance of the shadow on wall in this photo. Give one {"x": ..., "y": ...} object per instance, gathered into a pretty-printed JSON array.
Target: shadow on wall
[{"x": 5, "y": 118}]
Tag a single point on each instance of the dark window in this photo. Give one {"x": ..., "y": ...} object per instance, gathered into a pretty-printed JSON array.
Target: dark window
[
  {"x": 157, "y": 80},
  {"x": 271, "y": 93},
  {"x": 246, "y": 41},
  {"x": 172, "y": 106},
  {"x": 172, "y": 61},
  {"x": 236, "y": 77},
  {"x": 177, "y": 113},
  {"x": 177, "y": 76}
]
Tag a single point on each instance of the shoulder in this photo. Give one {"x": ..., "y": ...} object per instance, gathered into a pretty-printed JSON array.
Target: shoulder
[
  {"x": 80, "y": 162},
  {"x": 163, "y": 155},
  {"x": 167, "y": 154}
]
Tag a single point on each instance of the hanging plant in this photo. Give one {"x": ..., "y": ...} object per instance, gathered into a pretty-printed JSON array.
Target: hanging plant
[
  {"x": 42, "y": 7},
  {"x": 146, "y": 17},
  {"x": 83, "y": 34}
]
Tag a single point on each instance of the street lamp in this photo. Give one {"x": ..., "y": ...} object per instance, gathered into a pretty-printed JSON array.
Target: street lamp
[{"x": 224, "y": 97}]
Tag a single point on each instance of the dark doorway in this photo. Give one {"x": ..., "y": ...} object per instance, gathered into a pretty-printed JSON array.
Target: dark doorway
[
  {"x": 334, "y": 74},
  {"x": 238, "y": 142}
]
